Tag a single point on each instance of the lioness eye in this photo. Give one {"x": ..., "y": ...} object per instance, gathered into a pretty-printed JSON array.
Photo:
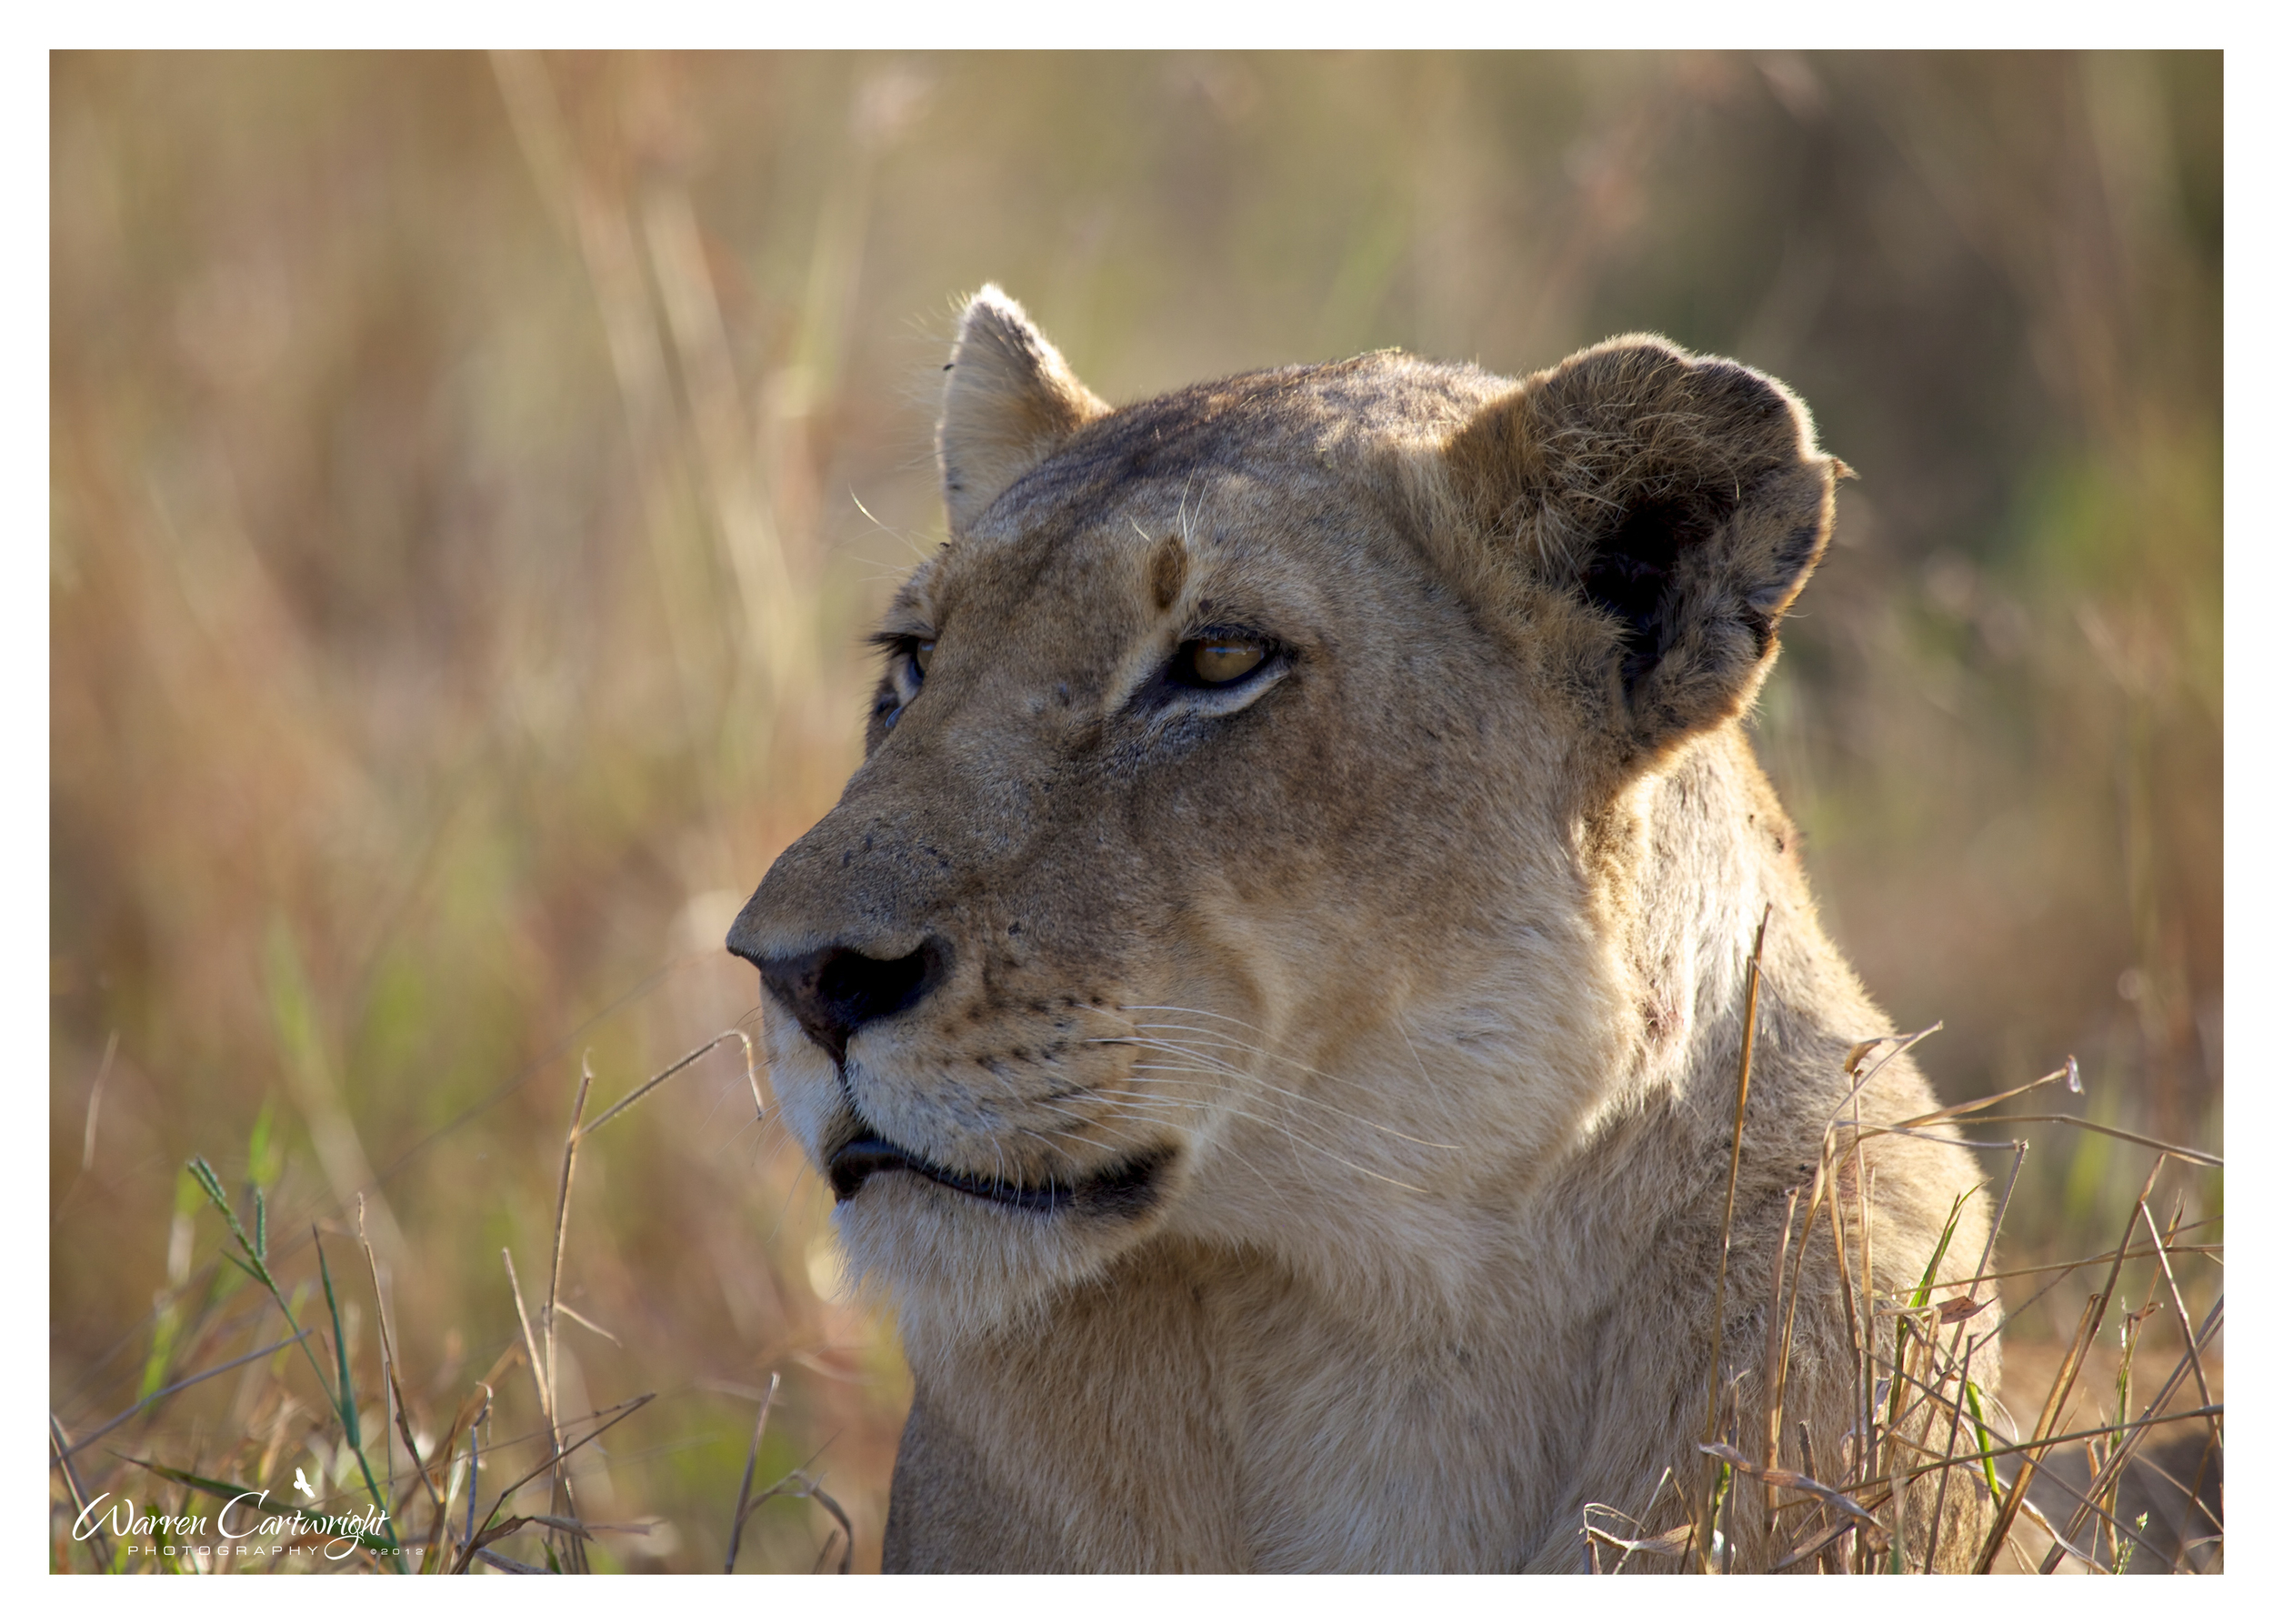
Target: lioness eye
[
  {"x": 920, "y": 656},
  {"x": 1214, "y": 661}
]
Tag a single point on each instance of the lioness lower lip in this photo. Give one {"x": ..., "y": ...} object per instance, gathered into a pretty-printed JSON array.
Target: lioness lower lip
[
  {"x": 850, "y": 1166},
  {"x": 855, "y": 1163},
  {"x": 1121, "y": 1191}
]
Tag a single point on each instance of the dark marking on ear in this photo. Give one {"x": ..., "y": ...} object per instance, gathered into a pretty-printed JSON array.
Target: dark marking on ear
[
  {"x": 1630, "y": 572},
  {"x": 1683, "y": 498}
]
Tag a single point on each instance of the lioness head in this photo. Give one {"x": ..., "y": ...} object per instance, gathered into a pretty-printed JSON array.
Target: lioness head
[{"x": 1245, "y": 797}]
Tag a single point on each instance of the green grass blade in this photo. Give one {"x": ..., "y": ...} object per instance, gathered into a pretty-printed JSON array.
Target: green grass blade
[
  {"x": 344, "y": 1407},
  {"x": 345, "y": 1403},
  {"x": 1981, "y": 1437},
  {"x": 1920, "y": 1298}
]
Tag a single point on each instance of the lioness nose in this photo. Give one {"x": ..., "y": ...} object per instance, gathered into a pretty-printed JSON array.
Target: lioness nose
[{"x": 836, "y": 991}]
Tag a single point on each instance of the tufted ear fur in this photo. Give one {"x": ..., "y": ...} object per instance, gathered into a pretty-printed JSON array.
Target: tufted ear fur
[
  {"x": 1010, "y": 400},
  {"x": 1681, "y": 500}
]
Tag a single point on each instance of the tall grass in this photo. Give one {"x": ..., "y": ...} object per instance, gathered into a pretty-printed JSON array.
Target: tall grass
[
  {"x": 429, "y": 1511},
  {"x": 1878, "y": 1500},
  {"x": 1935, "y": 1474}
]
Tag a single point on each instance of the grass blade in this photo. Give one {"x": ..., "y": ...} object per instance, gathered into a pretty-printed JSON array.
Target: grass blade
[
  {"x": 1727, "y": 1224},
  {"x": 749, "y": 1470}
]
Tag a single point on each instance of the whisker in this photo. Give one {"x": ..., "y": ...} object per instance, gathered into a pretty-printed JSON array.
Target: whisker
[
  {"x": 1261, "y": 1178},
  {"x": 1069, "y": 1134},
  {"x": 1406, "y": 1032},
  {"x": 1223, "y": 1040},
  {"x": 1211, "y": 1070},
  {"x": 1219, "y": 1037},
  {"x": 1183, "y": 1009},
  {"x": 1244, "y": 1076},
  {"x": 1129, "y": 1104},
  {"x": 1199, "y": 1069},
  {"x": 1292, "y": 1138}
]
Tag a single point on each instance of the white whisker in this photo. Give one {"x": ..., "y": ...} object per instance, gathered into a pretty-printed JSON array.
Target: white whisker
[
  {"x": 1126, "y": 1114},
  {"x": 1195, "y": 1053},
  {"x": 1292, "y": 1138}
]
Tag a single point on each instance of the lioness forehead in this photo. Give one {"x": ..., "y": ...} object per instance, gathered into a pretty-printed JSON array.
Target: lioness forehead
[
  {"x": 1277, "y": 421},
  {"x": 1228, "y": 469}
]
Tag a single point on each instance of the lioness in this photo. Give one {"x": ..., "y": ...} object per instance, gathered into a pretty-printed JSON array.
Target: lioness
[{"x": 1271, "y": 1002}]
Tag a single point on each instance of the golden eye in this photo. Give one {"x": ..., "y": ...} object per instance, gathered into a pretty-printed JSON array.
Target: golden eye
[
  {"x": 920, "y": 655},
  {"x": 1216, "y": 661}
]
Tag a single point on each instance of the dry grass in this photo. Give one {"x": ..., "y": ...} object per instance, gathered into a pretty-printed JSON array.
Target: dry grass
[
  {"x": 2131, "y": 1486},
  {"x": 425, "y": 1512},
  {"x": 1925, "y": 1433}
]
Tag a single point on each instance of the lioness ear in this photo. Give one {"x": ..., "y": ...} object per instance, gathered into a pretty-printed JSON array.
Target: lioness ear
[
  {"x": 1683, "y": 500},
  {"x": 1010, "y": 400}
]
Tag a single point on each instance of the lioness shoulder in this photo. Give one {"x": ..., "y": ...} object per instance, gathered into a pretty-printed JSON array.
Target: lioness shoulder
[{"x": 1272, "y": 1001}]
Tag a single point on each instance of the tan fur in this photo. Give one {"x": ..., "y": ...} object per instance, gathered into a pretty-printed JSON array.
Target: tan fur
[{"x": 1416, "y": 965}]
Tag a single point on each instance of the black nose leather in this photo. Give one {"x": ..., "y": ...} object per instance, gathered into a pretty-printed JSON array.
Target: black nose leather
[{"x": 836, "y": 991}]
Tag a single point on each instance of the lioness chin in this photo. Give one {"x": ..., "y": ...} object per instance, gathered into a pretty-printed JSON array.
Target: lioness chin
[{"x": 1270, "y": 1003}]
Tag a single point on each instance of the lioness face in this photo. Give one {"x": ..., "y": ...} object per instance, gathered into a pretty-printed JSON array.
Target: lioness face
[
  {"x": 1199, "y": 803},
  {"x": 1116, "y": 919}
]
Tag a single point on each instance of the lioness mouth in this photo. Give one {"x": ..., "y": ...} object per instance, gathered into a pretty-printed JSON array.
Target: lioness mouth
[{"x": 1123, "y": 1190}]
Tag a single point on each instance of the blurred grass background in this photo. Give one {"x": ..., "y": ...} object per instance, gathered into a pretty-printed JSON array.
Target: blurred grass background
[{"x": 471, "y": 476}]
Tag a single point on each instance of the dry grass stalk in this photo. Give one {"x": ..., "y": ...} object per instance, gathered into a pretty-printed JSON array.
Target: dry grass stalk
[
  {"x": 798, "y": 1486},
  {"x": 2185, "y": 1322},
  {"x": 1735, "y": 1156},
  {"x": 1776, "y": 1391},
  {"x": 749, "y": 1471},
  {"x": 1708, "y": 1546},
  {"x": 1922, "y": 1449},
  {"x": 490, "y": 1530},
  {"x": 540, "y": 1366},
  {"x": 60, "y": 1449},
  {"x": 2056, "y": 1400},
  {"x": 2125, "y": 1437},
  {"x": 564, "y": 1492}
]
